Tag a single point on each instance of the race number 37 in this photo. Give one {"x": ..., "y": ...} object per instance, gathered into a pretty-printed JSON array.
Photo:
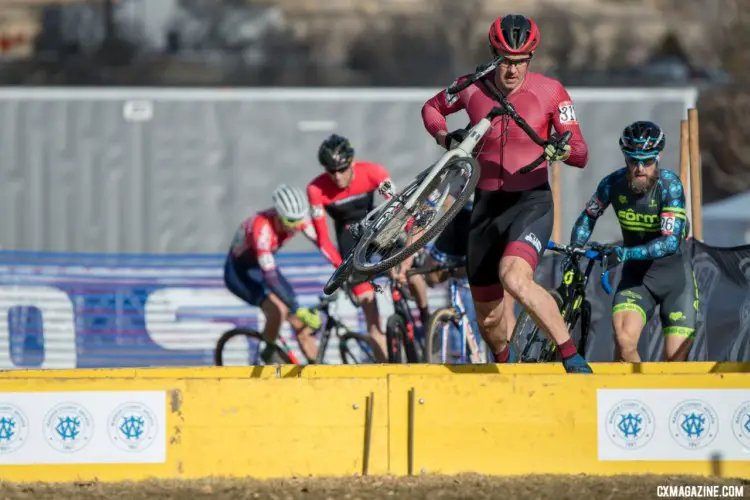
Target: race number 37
[{"x": 567, "y": 112}]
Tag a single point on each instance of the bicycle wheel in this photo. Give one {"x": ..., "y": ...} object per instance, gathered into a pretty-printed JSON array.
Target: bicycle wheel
[
  {"x": 384, "y": 232},
  {"x": 394, "y": 333},
  {"x": 409, "y": 351},
  {"x": 255, "y": 346},
  {"x": 356, "y": 349},
  {"x": 339, "y": 275},
  {"x": 530, "y": 344},
  {"x": 443, "y": 334}
]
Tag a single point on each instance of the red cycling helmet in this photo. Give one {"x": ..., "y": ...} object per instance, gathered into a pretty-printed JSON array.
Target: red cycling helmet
[{"x": 514, "y": 34}]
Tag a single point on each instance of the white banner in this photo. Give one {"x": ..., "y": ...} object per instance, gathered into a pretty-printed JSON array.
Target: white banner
[
  {"x": 673, "y": 424},
  {"x": 87, "y": 427}
]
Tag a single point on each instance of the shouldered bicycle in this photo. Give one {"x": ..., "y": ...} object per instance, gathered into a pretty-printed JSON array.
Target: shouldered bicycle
[
  {"x": 456, "y": 173},
  {"x": 531, "y": 345},
  {"x": 354, "y": 348}
]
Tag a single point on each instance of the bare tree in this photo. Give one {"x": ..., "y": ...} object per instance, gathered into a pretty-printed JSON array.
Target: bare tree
[
  {"x": 456, "y": 23},
  {"x": 725, "y": 111},
  {"x": 559, "y": 45}
]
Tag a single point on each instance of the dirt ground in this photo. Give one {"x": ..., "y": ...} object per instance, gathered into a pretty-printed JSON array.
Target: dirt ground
[{"x": 470, "y": 487}]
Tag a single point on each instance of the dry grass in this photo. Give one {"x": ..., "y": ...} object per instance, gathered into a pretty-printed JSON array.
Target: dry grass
[{"x": 470, "y": 486}]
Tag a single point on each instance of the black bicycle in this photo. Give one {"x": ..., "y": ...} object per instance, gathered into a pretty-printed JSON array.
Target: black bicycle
[
  {"x": 531, "y": 345},
  {"x": 456, "y": 174},
  {"x": 400, "y": 329},
  {"x": 354, "y": 348}
]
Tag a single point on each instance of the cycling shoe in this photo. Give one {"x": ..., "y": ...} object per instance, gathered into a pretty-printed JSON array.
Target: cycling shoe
[{"x": 576, "y": 364}]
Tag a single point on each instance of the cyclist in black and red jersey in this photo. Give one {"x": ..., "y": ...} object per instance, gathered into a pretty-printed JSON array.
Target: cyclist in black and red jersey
[
  {"x": 346, "y": 191},
  {"x": 512, "y": 217}
]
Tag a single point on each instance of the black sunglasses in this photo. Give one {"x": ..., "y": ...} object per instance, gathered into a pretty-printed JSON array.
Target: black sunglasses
[
  {"x": 338, "y": 170},
  {"x": 500, "y": 59}
]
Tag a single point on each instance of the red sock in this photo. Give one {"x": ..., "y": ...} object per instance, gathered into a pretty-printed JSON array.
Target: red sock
[
  {"x": 502, "y": 356},
  {"x": 567, "y": 349}
]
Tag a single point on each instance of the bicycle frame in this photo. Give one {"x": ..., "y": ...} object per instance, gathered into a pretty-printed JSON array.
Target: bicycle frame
[
  {"x": 332, "y": 324},
  {"x": 464, "y": 325},
  {"x": 572, "y": 288},
  {"x": 401, "y": 308},
  {"x": 415, "y": 188}
]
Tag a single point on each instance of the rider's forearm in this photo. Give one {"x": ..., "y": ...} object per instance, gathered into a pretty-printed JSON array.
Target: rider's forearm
[
  {"x": 324, "y": 243},
  {"x": 665, "y": 245},
  {"x": 582, "y": 229},
  {"x": 661, "y": 247},
  {"x": 281, "y": 289},
  {"x": 434, "y": 122},
  {"x": 579, "y": 150},
  {"x": 434, "y": 112}
]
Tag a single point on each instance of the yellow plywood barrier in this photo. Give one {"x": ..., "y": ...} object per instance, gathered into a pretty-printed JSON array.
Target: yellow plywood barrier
[
  {"x": 229, "y": 372},
  {"x": 651, "y": 368},
  {"x": 374, "y": 371},
  {"x": 522, "y": 425},
  {"x": 291, "y": 421},
  {"x": 238, "y": 427}
]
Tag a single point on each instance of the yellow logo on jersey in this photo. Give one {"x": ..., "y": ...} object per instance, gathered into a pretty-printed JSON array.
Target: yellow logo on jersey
[
  {"x": 623, "y": 199},
  {"x": 630, "y": 216},
  {"x": 652, "y": 203}
]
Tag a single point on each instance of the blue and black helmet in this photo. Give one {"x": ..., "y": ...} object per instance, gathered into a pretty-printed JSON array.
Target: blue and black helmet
[{"x": 642, "y": 140}]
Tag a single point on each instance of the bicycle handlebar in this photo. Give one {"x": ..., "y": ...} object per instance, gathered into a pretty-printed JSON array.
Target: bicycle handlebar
[
  {"x": 482, "y": 71},
  {"x": 507, "y": 109},
  {"x": 593, "y": 251},
  {"x": 324, "y": 301}
]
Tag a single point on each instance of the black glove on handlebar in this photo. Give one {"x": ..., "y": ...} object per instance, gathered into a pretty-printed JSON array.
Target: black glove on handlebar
[{"x": 453, "y": 139}]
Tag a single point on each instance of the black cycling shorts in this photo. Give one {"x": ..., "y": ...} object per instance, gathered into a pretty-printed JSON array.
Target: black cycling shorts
[
  {"x": 246, "y": 281},
  {"x": 506, "y": 224},
  {"x": 669, "y": 283}
]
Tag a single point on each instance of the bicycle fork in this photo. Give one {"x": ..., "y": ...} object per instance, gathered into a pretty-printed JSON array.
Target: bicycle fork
[
  {"x": 402, "y": 309},
  {"x": 467, "y": 334}
]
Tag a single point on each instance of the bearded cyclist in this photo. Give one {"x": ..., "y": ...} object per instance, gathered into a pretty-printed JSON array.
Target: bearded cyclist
[
  {"x": 346, "y": 191},
  {"x": 650, "y": 205},
  {"x": 513, "y": 213},
  {"x": 251, "y": 273}
]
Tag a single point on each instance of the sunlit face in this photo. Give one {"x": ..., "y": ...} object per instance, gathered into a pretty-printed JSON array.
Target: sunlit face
[
  {"x": 642, "y": 174},
  {"x": 342, "y": 177},
  {"x": 512, "y": 70}
]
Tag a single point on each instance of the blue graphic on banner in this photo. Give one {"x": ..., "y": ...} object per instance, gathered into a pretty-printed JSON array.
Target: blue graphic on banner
[{"x": 65, "y": 310}]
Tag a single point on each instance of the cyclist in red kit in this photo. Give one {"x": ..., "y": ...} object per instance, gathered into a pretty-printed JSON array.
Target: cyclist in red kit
[
  {"x": 346, "y": 192},
  {"x": 512, "y": 218},
  {"x": 251, "y": 273}
]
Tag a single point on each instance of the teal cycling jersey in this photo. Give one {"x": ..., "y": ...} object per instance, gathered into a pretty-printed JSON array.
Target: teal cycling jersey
[
  {"x": 654, "y": 224},
  {"x": 655, "y": 271}
]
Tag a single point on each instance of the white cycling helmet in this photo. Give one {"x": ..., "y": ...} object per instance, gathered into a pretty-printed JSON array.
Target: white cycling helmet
[{"x": 290, "y": 203}]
